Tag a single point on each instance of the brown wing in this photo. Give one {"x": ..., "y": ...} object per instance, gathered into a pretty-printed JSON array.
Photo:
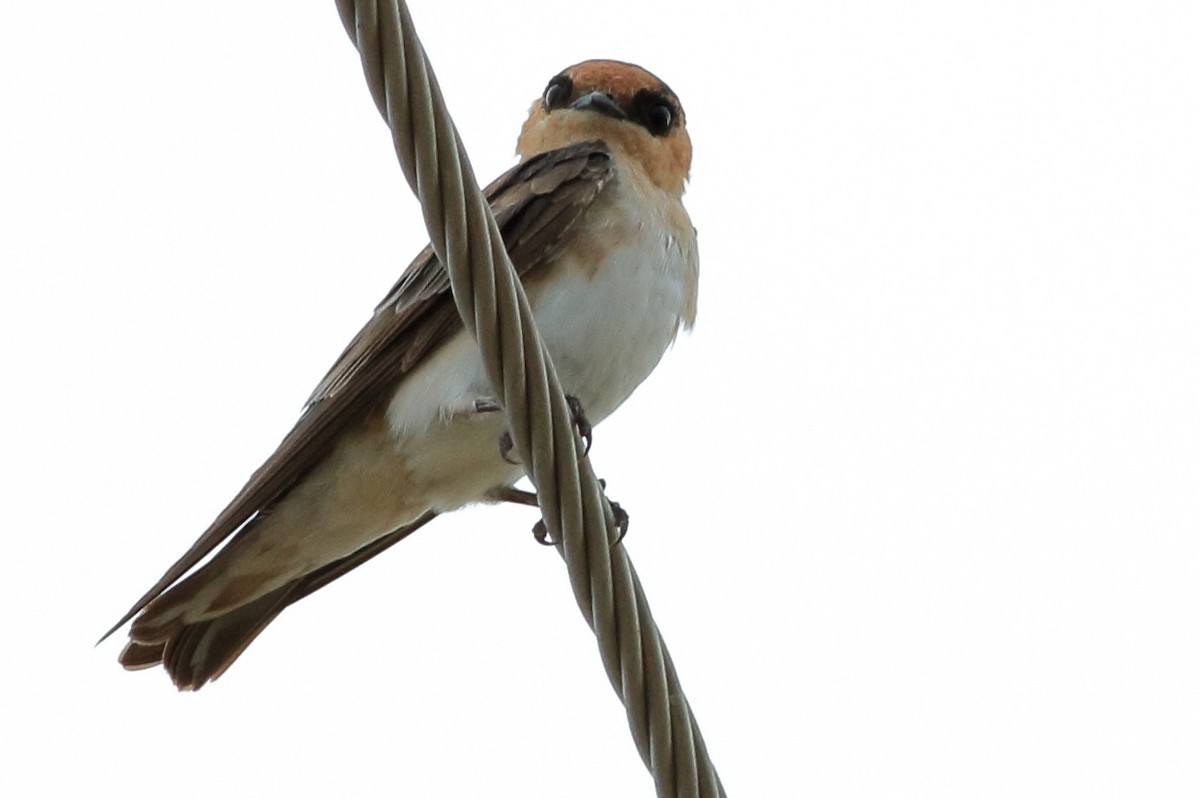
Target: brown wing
[
  {"x": 202, "y": 651},
  {"x": 535, "y": 203}
]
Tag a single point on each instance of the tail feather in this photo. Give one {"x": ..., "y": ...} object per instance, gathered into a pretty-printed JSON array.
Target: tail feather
[
  {"x": 138, "y": 656},
  {"x": 196, "y": 653},
  {"x": 201, "y": 652}
]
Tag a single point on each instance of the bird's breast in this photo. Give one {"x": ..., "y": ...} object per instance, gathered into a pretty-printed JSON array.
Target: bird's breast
[
  {"x": 613, "y": 302},
  {"x": 608, "y": 305}
]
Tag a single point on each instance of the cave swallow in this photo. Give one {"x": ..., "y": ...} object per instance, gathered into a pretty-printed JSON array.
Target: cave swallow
[{"x": 400, "y": 429}]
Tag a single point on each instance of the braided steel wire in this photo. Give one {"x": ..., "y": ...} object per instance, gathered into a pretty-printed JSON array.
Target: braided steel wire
[{"x": 494, "y": 309}]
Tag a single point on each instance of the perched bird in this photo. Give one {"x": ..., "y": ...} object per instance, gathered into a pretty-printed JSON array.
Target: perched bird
[{"x": 401, "y": 428}]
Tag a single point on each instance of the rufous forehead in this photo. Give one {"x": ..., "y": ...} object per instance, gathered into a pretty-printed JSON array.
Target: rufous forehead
[{"x": 619, "y": 79}]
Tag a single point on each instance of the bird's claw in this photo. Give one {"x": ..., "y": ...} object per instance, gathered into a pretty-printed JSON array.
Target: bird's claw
[
  {"x": 541, "y": 535},
  {"x": 577, "y": 416},
  {"x": 620, "y": 517},
  {"x": 581, "y": 422},
  {"x": 506, "y": 447},
  {"x": 488, "y": 405}
]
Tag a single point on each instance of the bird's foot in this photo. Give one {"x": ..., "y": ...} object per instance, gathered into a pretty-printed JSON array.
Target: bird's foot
[
  {"x": 622, "y": 519},
  {"x": 540, "y": 533},
  {"x": 525, "y": 498},
  {"x": 577, "y": 415},
  {"x": 489, "y": 405},
  {"x": 511, "y": 495},
  {"x": 581, "y": 422},
  {"x": 506, "y": 447}
]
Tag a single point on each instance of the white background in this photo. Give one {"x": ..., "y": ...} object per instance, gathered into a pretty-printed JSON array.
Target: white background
[{"x": 916, "y": 506}]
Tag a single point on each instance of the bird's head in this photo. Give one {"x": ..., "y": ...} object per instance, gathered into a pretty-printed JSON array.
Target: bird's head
[{"x": 625, "y": 106}]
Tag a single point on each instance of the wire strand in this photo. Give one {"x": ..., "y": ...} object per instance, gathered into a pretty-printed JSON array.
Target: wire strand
[{"x": 494, "y": 309}]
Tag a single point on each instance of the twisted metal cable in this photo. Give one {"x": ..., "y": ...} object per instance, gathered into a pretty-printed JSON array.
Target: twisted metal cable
[{"x": 494, "y": 309}]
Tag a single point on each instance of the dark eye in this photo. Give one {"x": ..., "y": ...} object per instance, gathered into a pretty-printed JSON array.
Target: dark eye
[
  {"x": 557, "y": 93},
  {"x": 656, "y": 111},
  {"x": 658, "y": 118}
]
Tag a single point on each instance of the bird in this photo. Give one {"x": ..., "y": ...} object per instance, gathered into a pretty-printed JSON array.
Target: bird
[{"x": 402, "y": 428}]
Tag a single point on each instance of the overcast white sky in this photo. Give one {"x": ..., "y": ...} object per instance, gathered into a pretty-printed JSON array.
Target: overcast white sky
[{"x": 915, "y": 507}]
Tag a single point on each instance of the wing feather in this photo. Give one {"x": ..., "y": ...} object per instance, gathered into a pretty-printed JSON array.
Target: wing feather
[{"x": 536, "y": 204}]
